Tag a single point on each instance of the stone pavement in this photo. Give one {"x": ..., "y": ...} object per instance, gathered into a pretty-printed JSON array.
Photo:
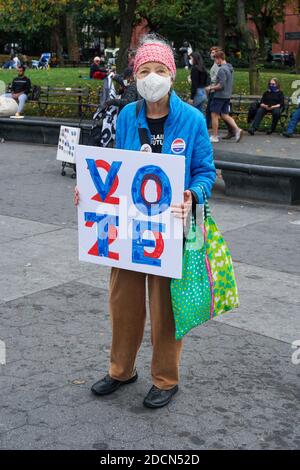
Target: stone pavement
[
  {"x": 262, "y": 145},
  {"x": 239, "y": 387}
]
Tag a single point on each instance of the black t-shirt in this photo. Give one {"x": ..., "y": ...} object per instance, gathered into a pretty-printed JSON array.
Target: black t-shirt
[{"x": 156, "y": 127}]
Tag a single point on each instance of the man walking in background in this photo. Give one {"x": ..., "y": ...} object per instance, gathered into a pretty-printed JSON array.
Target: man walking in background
[
  {"x": 210, "y": 94},
  {"x": 213, "y": 78},
  {"x": 220, "y": 102}
]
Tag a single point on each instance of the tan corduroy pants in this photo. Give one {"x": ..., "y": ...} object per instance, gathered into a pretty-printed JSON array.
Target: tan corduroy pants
[{"x": 127, "y": 301}]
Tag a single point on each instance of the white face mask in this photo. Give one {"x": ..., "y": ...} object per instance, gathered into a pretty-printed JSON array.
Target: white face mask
[
  {"x": 153, "y": 87},
  {"x": 212, "y": 56},
  {"x": 191, "y": 61},
  {"x": 126, "y": 82}
]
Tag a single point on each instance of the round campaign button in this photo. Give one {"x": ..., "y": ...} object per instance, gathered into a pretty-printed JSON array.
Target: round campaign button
[
  {"x": 146, "y": 148},
  {"x": 178, "y": 146}
]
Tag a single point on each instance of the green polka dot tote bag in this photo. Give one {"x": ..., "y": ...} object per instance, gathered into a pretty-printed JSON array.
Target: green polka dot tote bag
[
  {"x": 208, "y": 287},
  {"x": 191, "y": 295}
]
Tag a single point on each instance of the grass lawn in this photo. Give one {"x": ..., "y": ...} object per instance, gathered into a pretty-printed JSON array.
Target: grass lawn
[
  {"x": 74, "y": 77},
  {"x": 59, "y": 77},
  {"x": 65, "y": 77}
]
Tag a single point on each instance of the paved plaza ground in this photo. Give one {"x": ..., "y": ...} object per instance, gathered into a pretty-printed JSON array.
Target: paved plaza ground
[
  {"x": 239, "y": 387},
  {"x": 261, "y": 149}
]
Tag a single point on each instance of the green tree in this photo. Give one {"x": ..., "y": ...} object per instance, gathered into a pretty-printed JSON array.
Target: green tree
[
  {"x": 101, "y": 17},
  {"x": 127, "y": 17},
  {"x": 265, "y": 15},
  {"x": 252, "y": 46},
  {"x": 181, "y": 20},
  {"x": 31, "y": 16},
  {"x": 123, "y": 23}
]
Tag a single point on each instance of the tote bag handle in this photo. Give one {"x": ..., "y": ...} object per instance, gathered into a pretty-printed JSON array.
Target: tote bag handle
[{"x": 206, "y": 211}]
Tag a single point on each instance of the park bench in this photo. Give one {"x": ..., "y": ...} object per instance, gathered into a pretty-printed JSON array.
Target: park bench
[
  {"x": 66, "y": 96},
  {"x": 45, "y": 96},
  {"x": 240, "y": 106}
]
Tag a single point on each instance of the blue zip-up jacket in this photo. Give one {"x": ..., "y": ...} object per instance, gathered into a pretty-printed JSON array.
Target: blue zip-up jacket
[{"x": 184, "y": 122}]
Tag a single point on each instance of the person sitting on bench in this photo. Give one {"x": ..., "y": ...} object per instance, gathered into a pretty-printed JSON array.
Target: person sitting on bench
[
  {"x": 20, "y": 89},
  {"x": 97, "y": 71},
  {"x": 295, "y": 118},
  {"x": 272, "y": 101}
]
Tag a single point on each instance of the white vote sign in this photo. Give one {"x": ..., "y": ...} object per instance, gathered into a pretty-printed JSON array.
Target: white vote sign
[
  {"x": 67, "y": 142},
  {"x": 124, "y": 214}
]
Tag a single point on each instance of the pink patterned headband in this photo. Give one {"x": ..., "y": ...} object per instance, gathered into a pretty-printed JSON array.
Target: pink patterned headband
[{"x": 155, "y": 52}]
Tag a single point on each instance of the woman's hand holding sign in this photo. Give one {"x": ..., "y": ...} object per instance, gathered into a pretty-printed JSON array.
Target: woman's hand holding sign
[{"x": 182, "y": 210}]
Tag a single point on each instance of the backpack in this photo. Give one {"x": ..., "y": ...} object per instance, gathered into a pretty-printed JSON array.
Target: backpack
[
  {"x": 252, "y": 111},
  {"x": 35, "y": 93}
]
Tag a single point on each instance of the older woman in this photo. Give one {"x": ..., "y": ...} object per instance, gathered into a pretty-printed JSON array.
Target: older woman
[
  {"x": 98, "y": 70},
  {"x": 170, "y": 127}
]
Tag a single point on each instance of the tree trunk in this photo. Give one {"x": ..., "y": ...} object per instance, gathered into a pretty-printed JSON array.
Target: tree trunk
[
  {"x": 251, "y": 43},
  {"x": 221, "y": 23},
  {"x": 56, "y": 45},
  {"x": 72, "y": 38},
  {"x": 262, "y": 34},
  {"x": 127, "y": 9},
  {"x": 254, "y": 75},
  {"x": 261, "y": 42}
]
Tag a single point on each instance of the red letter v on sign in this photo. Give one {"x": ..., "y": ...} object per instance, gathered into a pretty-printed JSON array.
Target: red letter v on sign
[{"x": 106, "y": 189}]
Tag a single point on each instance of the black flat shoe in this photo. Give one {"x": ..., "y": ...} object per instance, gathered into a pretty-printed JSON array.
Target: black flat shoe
[
  {"x": 158, "y": 398},
  {"x": 109, "y": 385},
  {"x": 269, "y": 132},
  {"x": 251, "y": 131}
]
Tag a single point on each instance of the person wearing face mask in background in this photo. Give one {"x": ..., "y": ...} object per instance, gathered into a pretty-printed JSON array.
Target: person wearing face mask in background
[
  {"x": 199, "y": 80},
  {"x": 272, "y": 101},
  {"x": 171, "y": 127}
]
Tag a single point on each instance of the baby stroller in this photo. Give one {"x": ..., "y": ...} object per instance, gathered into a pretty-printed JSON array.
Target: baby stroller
[
  {"x": 103, "y": 131},
  {"x": 43, "y": 63}
]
